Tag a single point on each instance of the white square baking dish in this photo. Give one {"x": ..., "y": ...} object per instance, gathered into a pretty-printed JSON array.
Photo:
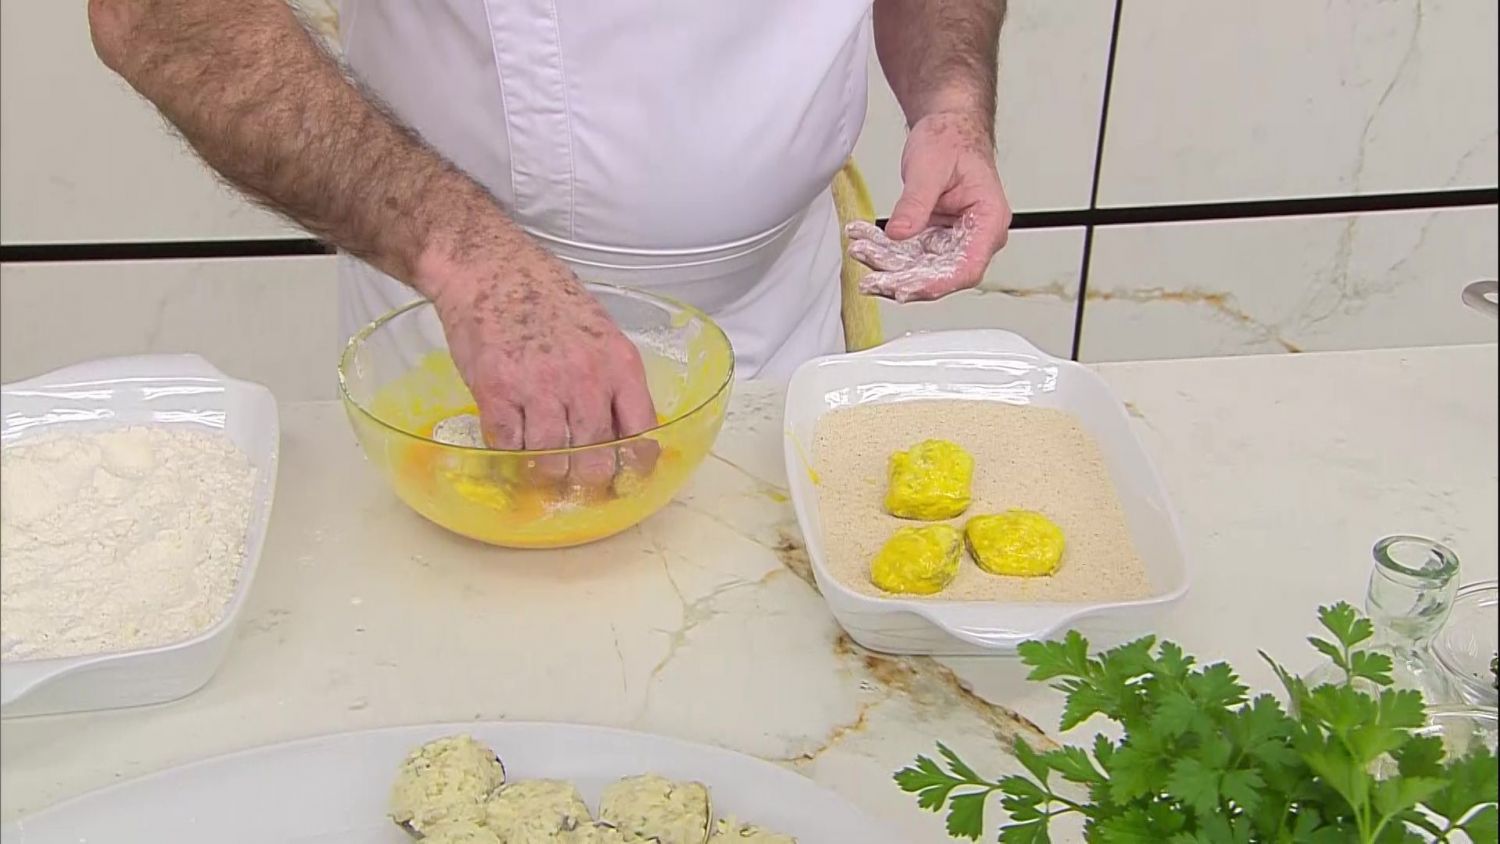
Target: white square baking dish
[
  {"x": 986, "y": 365},
  {"x": 160, "y": 390}
]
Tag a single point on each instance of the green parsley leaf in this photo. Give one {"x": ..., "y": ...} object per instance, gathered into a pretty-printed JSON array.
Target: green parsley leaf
[
  {"x": 1129, "y": 827},
  {"x": 1104, "y": 751},
  {"x": 1261, "y": 729},
  {"x": 1130, "y": 660},
  {"x": 1339, "y": 708},
  {"x": 1336, "y": 770},
  {"x": 1471, "y": 782},
  {"x": 1135, "y": 773},
  {"x": 1196, "y": 785},
  {"x": 1200, "y": 761},
  {"x": 931, "y": 785},
  {"x": 966, "y": 815},
  {"x": 1296, "y": 688},
  {"x": 1032, "y": 761},
  {"x": 1171, "y": 662},
  {"x": 1034, "y": 832},
  {"x": 1176, "y": 713},
  {"x": 1422, "y": 756},
  {"x": 924, "y": 774},
  {"x": 1083, "y": 703},
  {"x": 1372, "y": 666},
  {"x": 1214, "y": 751},
  {"x": 957, "y": 765},
  {"x": 1068, "y": 658},
  {"x": 1346, "y": 624},
  {"x": 1166, "y": 818},
  {"x": 1394, "y": 796},
  {"x": 1074, "y": 765},
  {"x": 933, "y": 797},
  {"x": 1022, "y": 798},
  {"x": 1401, "y": 708},
  {"x": 1334, "y": 653},
  {"x": 1242, "y": 786},
  {"x": 1483, "y": 827},
  {"x": 1216, "y": 687}
]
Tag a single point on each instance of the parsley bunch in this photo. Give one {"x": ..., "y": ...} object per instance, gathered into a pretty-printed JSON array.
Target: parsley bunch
[{"x": 1201, "y": 761}]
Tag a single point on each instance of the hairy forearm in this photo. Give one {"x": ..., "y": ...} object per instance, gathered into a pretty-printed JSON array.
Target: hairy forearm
[
  {"x": 265, "y": 105},
  {"x": 940, "y": 55}
]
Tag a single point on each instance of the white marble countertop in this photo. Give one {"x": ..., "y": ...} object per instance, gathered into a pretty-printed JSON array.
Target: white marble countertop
[{"x": 702, "y": 622}]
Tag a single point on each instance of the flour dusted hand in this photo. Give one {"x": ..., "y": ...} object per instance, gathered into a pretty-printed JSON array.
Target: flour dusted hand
[
  {"x": 548, "y": 367},
  {"x": 912, "y": 269},
  {"x": 117, "y": 540},
  {"x": 951, "y": 218}
]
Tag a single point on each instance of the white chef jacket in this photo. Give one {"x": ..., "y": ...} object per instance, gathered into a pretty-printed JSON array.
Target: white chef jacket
[{"x": 680, "y": 146}]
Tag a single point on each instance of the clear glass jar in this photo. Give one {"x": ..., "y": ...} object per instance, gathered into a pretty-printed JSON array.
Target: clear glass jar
[{"x": 1409, "y": 597}]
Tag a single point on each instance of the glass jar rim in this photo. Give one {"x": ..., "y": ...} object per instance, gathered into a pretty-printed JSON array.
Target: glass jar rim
[{"x": 1386, "y": 559}]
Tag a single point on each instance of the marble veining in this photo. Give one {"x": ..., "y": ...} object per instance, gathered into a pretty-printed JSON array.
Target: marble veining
[
  {"x": 1286, "y": 98},
  {"x": 1376, "y": 280}
]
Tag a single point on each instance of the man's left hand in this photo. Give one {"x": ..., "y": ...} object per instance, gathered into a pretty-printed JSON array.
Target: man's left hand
[{"x": 952, "y": 216}]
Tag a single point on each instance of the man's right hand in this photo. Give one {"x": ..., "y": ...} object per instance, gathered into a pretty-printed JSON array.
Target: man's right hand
[{"x": 547, "y": 366}]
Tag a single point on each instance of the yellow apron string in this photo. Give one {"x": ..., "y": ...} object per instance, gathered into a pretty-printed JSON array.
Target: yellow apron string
[{"x": 861, "y": 314}]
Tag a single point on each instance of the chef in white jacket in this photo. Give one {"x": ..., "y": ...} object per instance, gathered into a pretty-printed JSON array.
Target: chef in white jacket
[{"x": 487, "y": 154}]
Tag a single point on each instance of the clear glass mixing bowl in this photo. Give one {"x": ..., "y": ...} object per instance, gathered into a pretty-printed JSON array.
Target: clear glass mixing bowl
[
  {"x": 1467, "y": 645},
  {"x": 398, "y": 382}
]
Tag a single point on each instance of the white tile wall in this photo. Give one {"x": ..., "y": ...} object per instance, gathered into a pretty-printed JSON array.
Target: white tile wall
[
  {"x": 1031, "y": 289},
  {"x": 1287, "y": 284},
  {"x": 84, "y": 159},
  {"x": 1212, "y": 100},
  {"x": 271, "y": 320},
  {"x": 1223, "y": 100},
  {"x": 1053, "y": 58}
]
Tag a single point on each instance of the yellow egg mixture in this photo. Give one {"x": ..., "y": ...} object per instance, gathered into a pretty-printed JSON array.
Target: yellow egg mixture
[
  {"x": 1019, "y": 543},
  {"x": 929, "y": 481},
  {"x": 497, "y": 497},
  {"x": 917, "y": 560}
]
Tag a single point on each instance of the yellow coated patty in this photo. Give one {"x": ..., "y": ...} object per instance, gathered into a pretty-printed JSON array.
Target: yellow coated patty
[
  {"x": 930, "y": 481},
  {"x": 917, "y": 560},
  {"x": 1018, "y": 543}
]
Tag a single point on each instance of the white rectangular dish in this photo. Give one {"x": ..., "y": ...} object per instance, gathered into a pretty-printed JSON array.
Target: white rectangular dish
[
  {"x": 159, "y": 390},
  {"x": 981, "y": 366}
]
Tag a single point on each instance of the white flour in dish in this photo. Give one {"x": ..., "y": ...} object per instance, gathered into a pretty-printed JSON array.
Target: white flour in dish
[{"x": 117, "y": 540}]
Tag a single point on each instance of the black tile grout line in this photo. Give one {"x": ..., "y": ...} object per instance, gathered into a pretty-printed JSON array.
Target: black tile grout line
[
  {"x": 162, "y": 250},
  {"x": 1075, "y": 218},
  {"x": 1088, "y": 233},
  {"x": 1255, "y": 209}
]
